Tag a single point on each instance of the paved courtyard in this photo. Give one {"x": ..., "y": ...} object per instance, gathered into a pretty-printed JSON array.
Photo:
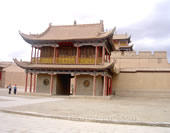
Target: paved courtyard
[
  {"x": 119, "y": 108},
  {"x": 12, "y": 123}
]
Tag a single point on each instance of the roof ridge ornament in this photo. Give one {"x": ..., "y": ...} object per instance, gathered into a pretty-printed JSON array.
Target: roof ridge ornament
[{"x": 50, "y": 24}]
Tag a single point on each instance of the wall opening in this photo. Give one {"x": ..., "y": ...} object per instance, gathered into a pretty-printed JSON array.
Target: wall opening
[{"x": 63, "y": 84}]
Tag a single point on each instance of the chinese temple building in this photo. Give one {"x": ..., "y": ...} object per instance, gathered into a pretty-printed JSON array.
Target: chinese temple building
[
  {"x": 121, "y": 42},
  {"x": 60, "y": 53},
  {"x": 83, "y": 59}
]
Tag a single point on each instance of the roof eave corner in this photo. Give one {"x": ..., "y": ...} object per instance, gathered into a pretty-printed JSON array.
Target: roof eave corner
[{"x": 111, "y": 40}]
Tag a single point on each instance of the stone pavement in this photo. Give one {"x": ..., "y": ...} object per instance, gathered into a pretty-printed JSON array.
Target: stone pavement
[
  {"x": 124, "y": 110},
  {"x": 12, "y": 123}
]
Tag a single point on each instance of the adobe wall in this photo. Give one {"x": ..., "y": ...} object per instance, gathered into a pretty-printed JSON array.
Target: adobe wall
[
  {"x": 83, "y": 90},
  {"x": 2, "y": 81},
  {"x": 99, "y": 86},
  {"x": 143, "y": 59},
  {"x": 145, "y": 84},
  {"x": 143, "y": 74},
  {"x": 80, "y": 88},
  {"x": 14, "y": 75},
  {"x": 41, "y": 87}
]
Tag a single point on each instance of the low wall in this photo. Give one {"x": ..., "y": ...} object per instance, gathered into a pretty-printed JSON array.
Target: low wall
[{"x": 145, "y": 84}]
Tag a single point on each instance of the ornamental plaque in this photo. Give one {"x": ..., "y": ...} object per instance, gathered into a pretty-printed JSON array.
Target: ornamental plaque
[
  {"x": 86, "y": 83},
  {"x": 46, "y": 82}
]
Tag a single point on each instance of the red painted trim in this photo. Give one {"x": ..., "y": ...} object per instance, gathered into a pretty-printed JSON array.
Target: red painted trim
[
  {"x": 77, "y": 55},
  {"x": 54, "y": 56},
  {"x": 96, "y": 53},
  {"x": 79, "y": 52},
  {"x": 104, "y": 86},
  {"x": 103, "y": 55},
  {"x": 94, "y": 85},
  {"x": 30, "y": 82},
  {"x": 34, "y": 83},
  {"x": 108, "y": 86},
  {"x": 57, "y": 51},
  {"x": 37, "y": 56},
  {"x": 111, "y": 86},
  {"x": 51, "y": 85},
  {"x": 26, "y": 80}
]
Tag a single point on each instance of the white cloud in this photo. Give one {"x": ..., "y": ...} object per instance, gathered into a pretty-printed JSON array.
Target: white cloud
[{"x": 35, "y": 15}]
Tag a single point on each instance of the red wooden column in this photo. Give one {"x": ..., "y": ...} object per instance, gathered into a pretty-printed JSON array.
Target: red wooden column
[
  {"x": 110, "y": 86},
  {"x": 51, "y": 84},
  {"x": 35, "y": 59},
  {"x": 104, "y": 86},
  {"x": 26, "y": 80},
  {"x": 94, "y": 85},
  {"x": 96, "y": 54},
  {"x": 30, "y": 82},
  {"x": 103, "y": 55},
  {"x": 31, "y": 54},
  {"x": 37, "y": 56},
  {"x": 54, "y": 56},
  {"x": 34, "y": 82},
  {"x": 75, "y": 84},
  {"x": 77, "y": 55},
  {"x": 57, "y": 54}
]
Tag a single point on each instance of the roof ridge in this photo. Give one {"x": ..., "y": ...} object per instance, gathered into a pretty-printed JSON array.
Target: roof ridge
[
  {"x": 50, "y": 26},
  {"x": 75, "y": 25}
]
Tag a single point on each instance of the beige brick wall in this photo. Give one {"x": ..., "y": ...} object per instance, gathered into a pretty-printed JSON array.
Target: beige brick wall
[
  {"x": 149, "y": 84},
  {"x": 82, "y": 90},
  {"x": 41, "y": 87},
  {"x": 144, "y": 59},
  {"x": 13, "y": 75},
  {"x": 99, "y": 86}
]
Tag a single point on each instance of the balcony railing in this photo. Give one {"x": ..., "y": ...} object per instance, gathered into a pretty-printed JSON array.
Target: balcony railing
[{"x": 66, "y": 60}]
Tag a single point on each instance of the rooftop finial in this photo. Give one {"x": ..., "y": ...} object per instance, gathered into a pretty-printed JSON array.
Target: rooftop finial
[
  {"x": 75, "y": 22},
  {"x": 101, "y": 21}
]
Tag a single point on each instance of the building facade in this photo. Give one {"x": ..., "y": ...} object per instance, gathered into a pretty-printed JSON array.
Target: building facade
[
  {"x": 10, "y": 73},
  {"x": 74, "y": 51},
  {"x": 82, "y": 59}
]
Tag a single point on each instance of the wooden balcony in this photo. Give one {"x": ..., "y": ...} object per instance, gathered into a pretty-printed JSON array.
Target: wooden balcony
[
  {"x": 89, "y": 60},
  {"x": 66, "y": 60}
]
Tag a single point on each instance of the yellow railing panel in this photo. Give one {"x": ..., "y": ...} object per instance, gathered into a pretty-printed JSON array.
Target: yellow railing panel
[
  {"x": 86, "y": 60},
  {"x": 66, "y": 60},
  {"x": 99, "y": 60}
]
